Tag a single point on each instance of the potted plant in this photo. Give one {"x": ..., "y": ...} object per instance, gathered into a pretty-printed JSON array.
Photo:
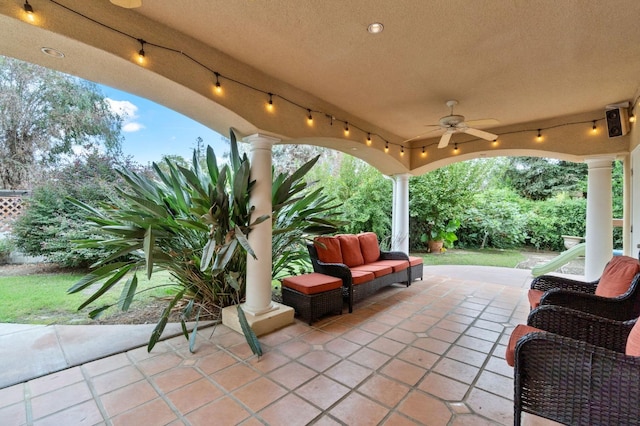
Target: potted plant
[{"x": 441, "y": 234}]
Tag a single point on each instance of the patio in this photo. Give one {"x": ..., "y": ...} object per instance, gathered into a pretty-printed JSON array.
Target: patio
[{"x": 432, "y": 353}]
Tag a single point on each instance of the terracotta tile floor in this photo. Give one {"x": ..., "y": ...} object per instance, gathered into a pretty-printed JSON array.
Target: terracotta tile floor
[{"x": 430, "y": 354}]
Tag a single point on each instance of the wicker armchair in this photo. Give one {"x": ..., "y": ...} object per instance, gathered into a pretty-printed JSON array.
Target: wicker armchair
[
  {"x": 581, "y": 296},
  {"x": 576, "y": 371}
]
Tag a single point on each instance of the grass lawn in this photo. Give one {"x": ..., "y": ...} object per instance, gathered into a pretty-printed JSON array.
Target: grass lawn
[
  {"x": 485, "y": 257},
  {"x": 43, "y": 298}
]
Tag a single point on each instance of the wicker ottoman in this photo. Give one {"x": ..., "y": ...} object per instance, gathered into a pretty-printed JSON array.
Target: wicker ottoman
[{"x": 313, "y": 295}]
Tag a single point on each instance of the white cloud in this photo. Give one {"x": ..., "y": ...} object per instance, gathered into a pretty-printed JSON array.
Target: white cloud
[{"x": 129, "y": 114}]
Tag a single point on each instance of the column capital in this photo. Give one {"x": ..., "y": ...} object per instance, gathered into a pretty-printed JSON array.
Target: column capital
[
  {"x": 260, "y": 141},
  {"x": 401, "y": 176},
  {"x": 600, "y": 161}
]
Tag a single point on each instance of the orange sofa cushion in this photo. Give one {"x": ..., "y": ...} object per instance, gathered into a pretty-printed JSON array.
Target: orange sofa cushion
[
  {"x": 413, "y": 260},
  {"x": 534, "y": 297},
  {"x": 397, "y": 265},
  {"x": 516, "y": 334},
  {"x": 369, "y": 246},
  {"x": 312, "y": 283},
  {"x": 633, "y": 341},
  {"x": 378, "y": 270},
  {"x": 350, "y": 247},
  {"x": 617, "y": 276},
  {"x": 328, "y": 249},
  {"x": 361, "y": 277}
]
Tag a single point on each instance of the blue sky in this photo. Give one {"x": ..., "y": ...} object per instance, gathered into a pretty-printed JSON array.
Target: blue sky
[{"x": 151, "y": 130}]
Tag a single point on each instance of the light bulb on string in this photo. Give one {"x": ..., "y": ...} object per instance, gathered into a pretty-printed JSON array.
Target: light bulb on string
[
  {"x": 141, "y": 54},
  {"x": 28, "y": 9},
  {"x": 401, "y": 150},
  {"x": 455, "y": 148},
  {"x": 424, "y": 153},
  {"x": 386, "y": 147},
  {"x": 369, "y": 139},
  {"x": 494, "y": 142},
  {"x": 594, "y": 128},
  {"x": 309, "y": 118},
  {"x": 217, "y": 87},
  {"x": 270, "y": 103},
  {"x": 632, "y": 118},
  {"x": 346, "y": 128},
  {"x": 539, "y": 138}
]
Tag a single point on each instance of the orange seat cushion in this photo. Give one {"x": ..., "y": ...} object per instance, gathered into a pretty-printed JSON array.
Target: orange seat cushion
[
  {"x": 633, "y": 341},
  {"x": 617, "y": 276},
  {"x": 369, "y": 246},
  {"x": 516, "y": 334},
  {"x": 378, "y": 270},
  {"x": 361, "y": 277},
  {"x": 328, "y": 249},
  {"x": 397, "y": 265},
  {"x": 534, "y": 298},
  {"x": 413, "y": 260},
  {"x": 312, "y": 283},
  {"x": 350, "y": 247}
]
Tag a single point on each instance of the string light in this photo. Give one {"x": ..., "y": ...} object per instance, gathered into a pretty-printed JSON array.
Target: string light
[
  {"x": 594, "y": 129},
  {"x": 455, "y": 147},
  {"x": 270, "y": 103},
  {"x": 218, "y": 87},
  {"x": 401, "y": 149},
  {"x": 141, "y": 51},
  {"x": 346, "y": 128},
  {"x": 495, "y": 142},
  {"x": 632, "y": 118},
  {"x": 28, "y": 8}
]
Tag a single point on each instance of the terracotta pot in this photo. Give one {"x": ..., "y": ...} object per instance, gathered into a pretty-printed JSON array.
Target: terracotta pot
[{"x": 435, "y": 246}]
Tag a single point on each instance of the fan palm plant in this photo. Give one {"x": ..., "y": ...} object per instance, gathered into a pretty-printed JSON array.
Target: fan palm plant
[{"x": 194, "y": 222}]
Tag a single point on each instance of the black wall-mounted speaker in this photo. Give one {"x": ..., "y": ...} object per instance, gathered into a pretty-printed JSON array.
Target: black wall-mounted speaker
[{"x": 617, "y": 122}]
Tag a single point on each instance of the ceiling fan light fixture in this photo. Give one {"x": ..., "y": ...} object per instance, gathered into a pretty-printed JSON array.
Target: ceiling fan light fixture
[{"x": 375, "y": 28}]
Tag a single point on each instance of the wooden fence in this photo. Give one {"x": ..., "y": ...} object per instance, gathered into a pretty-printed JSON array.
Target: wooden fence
[{"x": 11, "y": 203}]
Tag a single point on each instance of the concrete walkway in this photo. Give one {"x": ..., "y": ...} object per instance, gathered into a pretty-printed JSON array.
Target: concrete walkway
[{"x": 30, "y": 351}]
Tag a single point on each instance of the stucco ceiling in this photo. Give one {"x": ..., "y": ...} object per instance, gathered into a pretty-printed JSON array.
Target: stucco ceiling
[{"x": 525, "y": 63}]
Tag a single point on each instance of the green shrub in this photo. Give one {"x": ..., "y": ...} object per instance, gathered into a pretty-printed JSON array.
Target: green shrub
[{"x": 550, "y": 219}]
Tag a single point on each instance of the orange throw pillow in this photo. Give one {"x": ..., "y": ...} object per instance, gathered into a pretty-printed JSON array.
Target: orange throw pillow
[
  {"x": 617, "y": 276},
  {"x": 328, "y": 249},
  {"x": 369, "y": 246},
  {"x": 350, "y": 247}
]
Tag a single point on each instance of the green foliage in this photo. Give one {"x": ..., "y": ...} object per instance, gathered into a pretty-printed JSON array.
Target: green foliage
[
  {"x": 194, "y": 223},
  {"x": 50, "y": 222},
  {"x": 441, "y": 196},
  {"x": 494, "y": 219},
  {"x": 44, "y": 114},
  {"x": 550, "y": 219},
  {"x": 538, "y": 179}
]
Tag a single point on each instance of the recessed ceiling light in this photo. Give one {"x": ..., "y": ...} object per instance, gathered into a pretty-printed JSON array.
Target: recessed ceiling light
[
  {"x": 375, "y": 28},
  {"x": 52, "y": 52}
]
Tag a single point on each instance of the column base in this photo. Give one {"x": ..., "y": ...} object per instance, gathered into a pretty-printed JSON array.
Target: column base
[{"x": 262, "y": 324}]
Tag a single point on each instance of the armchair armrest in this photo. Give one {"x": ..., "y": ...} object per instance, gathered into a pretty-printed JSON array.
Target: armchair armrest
[
  {"x": 619, "y": 309},
  {"x": 394, "y": 255},
  {"x": 549, "y": 282},
  {"x": 593, "y": 329}
]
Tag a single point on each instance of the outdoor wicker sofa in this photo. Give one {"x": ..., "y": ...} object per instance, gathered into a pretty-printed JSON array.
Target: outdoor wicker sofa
[
  {"x": 616, "y": 295},
  {"x": 576, "y": 368},
  {"x": 362, "y": 266}
]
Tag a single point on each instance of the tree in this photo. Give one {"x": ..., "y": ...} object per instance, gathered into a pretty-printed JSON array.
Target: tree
[
  {"x": 541, "y": 178},
  {"x": 44, "y": 115}
]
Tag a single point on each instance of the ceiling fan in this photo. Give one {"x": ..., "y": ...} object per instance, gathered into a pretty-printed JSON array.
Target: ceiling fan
[{"x": 455, "y": 124}]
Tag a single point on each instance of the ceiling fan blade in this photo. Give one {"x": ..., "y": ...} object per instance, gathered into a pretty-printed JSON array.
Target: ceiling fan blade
[
  {"x": 127, "y": 4},
  {"x": 444, "y": 140},
  {"x": 482, "y": 122},
  {"x": 420, "y": 135},
  {"x": 480, "y": 133}
]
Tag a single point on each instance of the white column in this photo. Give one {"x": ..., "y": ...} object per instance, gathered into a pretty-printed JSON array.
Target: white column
[
  {"x": 599, "y": 235},
  {"x": 400, "y": 236},
  {"x": 259, "y": 270}
]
